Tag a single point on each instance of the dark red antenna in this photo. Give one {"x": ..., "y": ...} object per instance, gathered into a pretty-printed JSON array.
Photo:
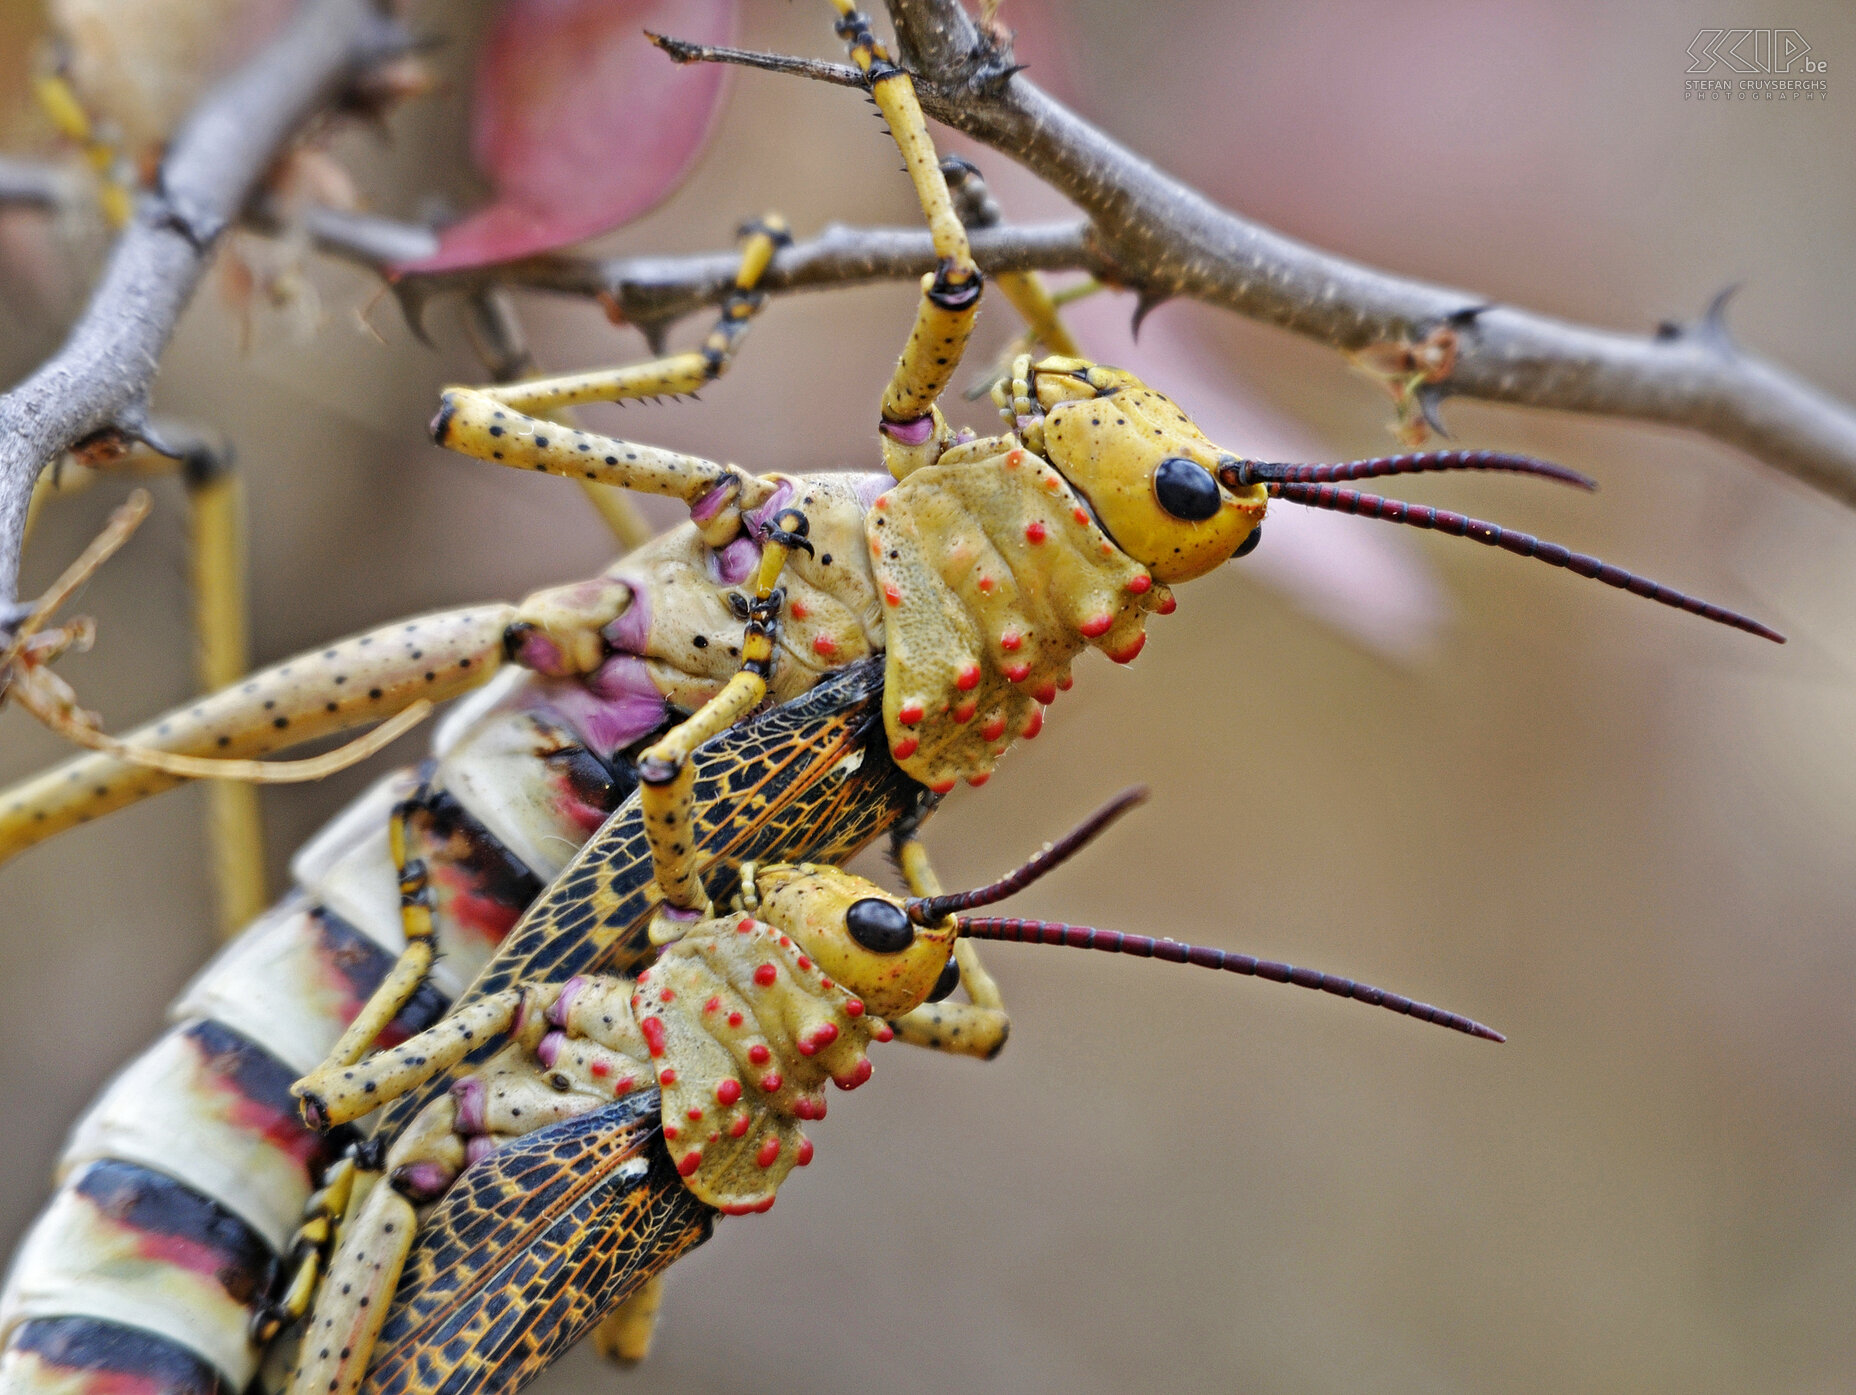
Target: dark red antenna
[
  {"x": 932, "y": 910},
  {"x": 1432, "y": 462},
  {"x": 1327, "y": 496},
  {"x": 1051, "y": 932}
]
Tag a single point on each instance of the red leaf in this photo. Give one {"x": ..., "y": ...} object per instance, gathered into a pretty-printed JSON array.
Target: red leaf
[{"x": 580, "y": 123}]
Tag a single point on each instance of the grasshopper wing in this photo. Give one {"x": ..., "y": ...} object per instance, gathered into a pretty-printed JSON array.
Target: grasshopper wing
[{"x": 530, "y": 1248}]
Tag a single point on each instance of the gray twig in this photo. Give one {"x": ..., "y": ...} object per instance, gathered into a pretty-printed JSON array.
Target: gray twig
[
  {"x": 99, "y": 379},
  {"x": 1164, "y": 239},
  {"x": 654, "y": 292}
]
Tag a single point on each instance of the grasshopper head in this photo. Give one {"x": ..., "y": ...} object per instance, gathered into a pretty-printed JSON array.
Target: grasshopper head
[
  {"x": 858, "y": 934},
  {"x": 1150, "y": 474}
]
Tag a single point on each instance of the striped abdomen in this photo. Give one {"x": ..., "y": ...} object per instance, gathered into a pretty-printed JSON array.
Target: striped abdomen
[{"x": 189, "y": 1174}]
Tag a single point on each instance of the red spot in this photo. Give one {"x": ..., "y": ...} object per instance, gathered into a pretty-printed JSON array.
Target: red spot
[
  {"x": 963, "y": 712},
  {"x": 785, "y": 943},
  {"x": 672, "y": 1132},
  {"x": 669, "y": 995},
  {"x": 1045, "y": 693},
  {"x": 882, "y": 502},
  {"x": 892, "y": 595},
  {"x": 765, "y": 975},
  {"x": 910, "y": 712},
  {"x": 745, "y": 926},
  {"x": 1014, "y": 459},
  {"x": 1017, "y": 673},
  {"x": 994, "y": 728},
  {"x": 689, "y": 1162},
  {"x": 804, "y": 1153},
  {"x": 809, "y": 1109},
  {"x": 824, "y": 982},
  {"x": 1081, "y": 515},
  {"x": 904, "y": 748},
  {"x": 601, "y": 1070},
  {"x": 977, "y": 780},
  {"x": 1033, "y": 724},
  {"x": 623, "y": 1085},
  {"x": 1010, "y": 640},
  {"x": 1167, "y": 606},
  {"x": 771, "y": 1082},
  {"x": 882, "y": 1031},
  {"x": 942, "y": 786},
  {"x": 1050, "y": 483},
  {"x": 804, "y": 962},
  {"x": 1096, "y": 626},
  {"x": 1127, "y": 656},
  {"x": 854, "y": 1008},
  {"x": 987, "y": 584},
  {"x": 645, "y": 977},
  {"x": 748, "y": 1208},
  {"x": 694, "y": 1112},
  {"x": 728, "y": 1091},
  {"x": 968, "y": 678},
  {"x": 1140, "y": 584},
  {"x": 759, "y": 1054},
  {"x": 713, "y": 1005},
  {"x": 734, "y": 1019},
  {"x": 824, "y": 1036},
  {"x": 1065, "y": 683},
  {"x": 858, "y": 1075},
  {"x": 653, "y": 1029},
  {"x": 1034, "y": 532},
  {"x": 739, "y": 1127},
  {"x": 668, "y": 1075},
  {"x": 825, "y": 647},
  {"x": 798, "y": 609},
  {"x": 769, "y": 1150}
]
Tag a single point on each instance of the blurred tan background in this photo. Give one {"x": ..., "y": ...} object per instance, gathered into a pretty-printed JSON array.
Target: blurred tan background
[{"x": 1619, "y": 834}]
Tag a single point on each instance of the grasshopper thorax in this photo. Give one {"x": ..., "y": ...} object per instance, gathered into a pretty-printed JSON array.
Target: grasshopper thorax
[{"x": 1150, "y": 475}]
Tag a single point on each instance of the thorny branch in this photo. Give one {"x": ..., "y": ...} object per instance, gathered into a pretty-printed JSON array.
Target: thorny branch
[
  {"x": 99, "y": 379},
  {"x": 1165, "y": 239},
  {"x": 1144, "y": 230}
]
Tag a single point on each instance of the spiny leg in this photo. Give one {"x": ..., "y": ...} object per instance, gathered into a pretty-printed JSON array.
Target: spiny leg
[
  {"x": 975, "y": 1028},
  {"x": 677, "y": 373},
  {"x": 351, "y": 1304},
  {"x": 415, "y": 960},
  {"x": 667, "y": 779},
  {"x": 301, "y": 1269},
  {"x": 911, "y": 427},
  {"x": 496, "y": 331},
  {"x": 495, "y": 423},
  {"x": 1026, "y": 290},
  {"x": 339, "y": 1091}
]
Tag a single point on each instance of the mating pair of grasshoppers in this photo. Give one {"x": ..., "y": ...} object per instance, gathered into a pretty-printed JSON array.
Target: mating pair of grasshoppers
[{"x": 911, "y": 625}]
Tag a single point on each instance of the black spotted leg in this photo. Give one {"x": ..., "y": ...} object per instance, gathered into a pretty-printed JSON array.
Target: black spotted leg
[
  {"x": 912, "y": 430},
  {"x": 667, "y": 779},
  {"x": 415, "y": 960},
  {"x": 507, "y": 424},
  {"x": 978, "y": 1027}
]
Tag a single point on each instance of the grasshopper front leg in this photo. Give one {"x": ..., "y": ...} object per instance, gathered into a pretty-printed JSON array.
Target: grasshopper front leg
[{"x": 978, "y": 1027}]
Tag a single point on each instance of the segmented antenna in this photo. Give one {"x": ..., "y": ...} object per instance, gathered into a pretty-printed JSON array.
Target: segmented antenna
[
  {"x": 1432, "y": 462},
  {"x": 1051, "y": 932},
  {"x": 932, "y": 910},
  {"x": 1327, "y": 496}
]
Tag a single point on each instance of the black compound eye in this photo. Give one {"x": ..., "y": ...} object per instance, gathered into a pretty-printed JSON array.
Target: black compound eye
[
  {"x": 1186, "y": 489},
  {"x": 882, "y": 927},
  {"x": 947, "y": 983},
  {"x": 1249, "y": 544}
]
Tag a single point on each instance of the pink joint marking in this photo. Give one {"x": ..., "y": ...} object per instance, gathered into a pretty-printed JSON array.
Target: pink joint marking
[{"x": 909, "y": 433}]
